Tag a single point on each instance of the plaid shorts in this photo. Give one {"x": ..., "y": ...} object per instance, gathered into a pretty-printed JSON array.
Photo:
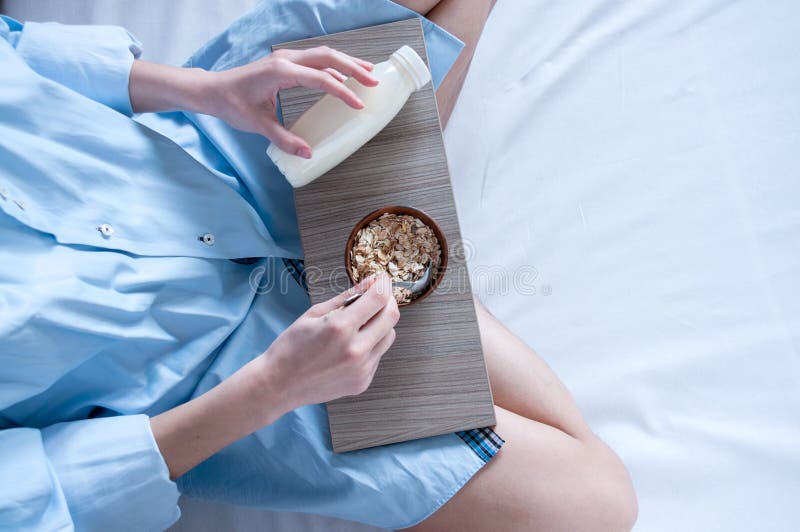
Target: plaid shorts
[{"x": 485, "y": 442}]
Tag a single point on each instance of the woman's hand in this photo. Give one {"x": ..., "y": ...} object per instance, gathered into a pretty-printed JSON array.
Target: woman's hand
[
  {"x": 246, "y": 97},
  {"x": 332, "y": 351},
  {"x": 329, "y": 352}
]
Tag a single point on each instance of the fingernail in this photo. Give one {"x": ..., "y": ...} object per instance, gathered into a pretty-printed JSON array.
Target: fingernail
[
  {"x": 360, "y": 103},
  {"x": 305, "y": 153},
  {"x": 366, "y": 282}
]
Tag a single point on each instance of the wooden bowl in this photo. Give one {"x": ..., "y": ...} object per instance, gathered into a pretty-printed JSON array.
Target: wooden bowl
[{"x": 427, "y": 220}]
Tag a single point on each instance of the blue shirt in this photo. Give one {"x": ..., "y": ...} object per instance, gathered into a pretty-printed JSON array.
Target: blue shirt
[{"x": 118, "y": 299}]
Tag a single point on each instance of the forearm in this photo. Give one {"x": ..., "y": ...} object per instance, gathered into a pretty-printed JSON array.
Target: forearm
[
  {"x": 188, "y": 434},
  {"x": 242, "y": 404},
  {"x": 154, "y": 88}
]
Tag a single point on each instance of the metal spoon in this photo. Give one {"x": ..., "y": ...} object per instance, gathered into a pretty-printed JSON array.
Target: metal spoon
[{"x": 415, "y": 287}]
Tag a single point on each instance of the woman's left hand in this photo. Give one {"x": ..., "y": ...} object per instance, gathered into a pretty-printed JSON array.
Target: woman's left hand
[{"x": 246, "y": 97}]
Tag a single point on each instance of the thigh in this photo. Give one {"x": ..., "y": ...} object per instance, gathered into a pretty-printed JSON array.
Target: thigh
[
  {"x": 522, "y": 382},
  {"x": 542, "y": 479},
  {"x": 420, "y": 6}
]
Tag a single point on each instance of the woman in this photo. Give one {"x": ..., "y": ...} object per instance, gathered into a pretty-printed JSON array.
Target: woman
[{"x": 136, "y": 351}]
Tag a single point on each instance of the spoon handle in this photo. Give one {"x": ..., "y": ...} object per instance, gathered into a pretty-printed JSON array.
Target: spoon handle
[{"x": 350, "y": 300}]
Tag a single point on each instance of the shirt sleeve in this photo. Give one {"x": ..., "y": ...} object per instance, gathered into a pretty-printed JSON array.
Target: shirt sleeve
[
  {"x": 92, "y": 60},
  {"x": 95, "y": 474}
]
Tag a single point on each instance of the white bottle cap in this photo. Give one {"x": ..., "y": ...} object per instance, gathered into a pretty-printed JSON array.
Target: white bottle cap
[{"x": 414, "y": 65}]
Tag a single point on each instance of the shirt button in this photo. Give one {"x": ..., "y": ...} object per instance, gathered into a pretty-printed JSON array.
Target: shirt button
[
  {"x": 208, "y": 239},
  {"x": 106, "y": 230}
]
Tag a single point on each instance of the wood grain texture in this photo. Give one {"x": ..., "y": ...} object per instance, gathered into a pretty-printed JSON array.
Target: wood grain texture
[{"x": 433, "y": 379}]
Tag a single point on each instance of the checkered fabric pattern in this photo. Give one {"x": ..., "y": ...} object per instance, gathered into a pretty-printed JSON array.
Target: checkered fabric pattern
[{"x": 485, "y": 442}]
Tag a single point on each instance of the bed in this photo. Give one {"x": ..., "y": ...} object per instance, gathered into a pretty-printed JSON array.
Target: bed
[{"x": 641, "y": 161}]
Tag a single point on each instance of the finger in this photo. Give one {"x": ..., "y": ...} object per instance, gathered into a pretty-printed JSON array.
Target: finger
[
  {"x": 382, "y": 346},
  {"x": 364, "y": 63},
  {"x": 373, "y": 301},
  {"x": 318, "y": 79},
  {"x": 286, "y": 140},
  {"x": 336, "y": 74},
  {"x": 382, "y": 322},
  {"x": 323, "y": 57},
  {"x": 374, "y": 358},
  {"x": 320, "y": 309}
]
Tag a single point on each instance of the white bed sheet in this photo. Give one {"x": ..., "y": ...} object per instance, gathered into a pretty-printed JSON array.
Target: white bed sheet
[
  {"x": 640, "y": 162},
  {"x": 644, "y": 158}
]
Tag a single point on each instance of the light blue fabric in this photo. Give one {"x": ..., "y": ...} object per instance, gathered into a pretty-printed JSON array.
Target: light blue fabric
[
  {"x": 96, "y": 62},
  {"x": 249, "y": 39},
  {"x": 101, "y": 326}
]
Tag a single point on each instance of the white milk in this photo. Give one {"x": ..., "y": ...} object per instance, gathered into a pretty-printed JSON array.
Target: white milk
[{"x": 335, "y": 130}]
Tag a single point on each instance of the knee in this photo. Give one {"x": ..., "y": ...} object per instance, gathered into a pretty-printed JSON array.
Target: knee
[{"x": 608, "y": 491}]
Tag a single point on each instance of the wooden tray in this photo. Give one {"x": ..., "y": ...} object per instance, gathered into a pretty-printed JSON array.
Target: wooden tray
[{"x": 433, "y": 379}]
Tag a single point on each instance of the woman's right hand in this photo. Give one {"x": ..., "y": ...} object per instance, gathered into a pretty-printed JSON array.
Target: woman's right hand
[
  {"x": 329, "y": 352},
  {"x": 332, "y": 351}
]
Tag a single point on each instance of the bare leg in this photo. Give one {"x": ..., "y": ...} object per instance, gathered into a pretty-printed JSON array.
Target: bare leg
[
  {"x": 464, "y": 19},
  {"x": 542, "y": 480},
  {"x": 523, "y": 383},
  {"x": 422, "y": 7},
  {"x": 552, "y": 473}
]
